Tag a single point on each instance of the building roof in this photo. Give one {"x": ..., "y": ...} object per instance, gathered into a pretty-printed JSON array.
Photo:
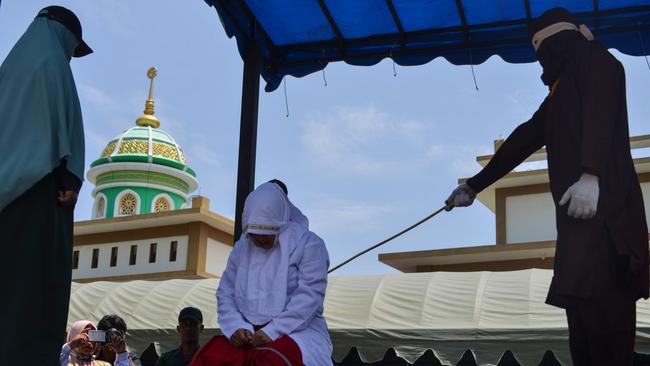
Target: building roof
[{"x": 476, "y": 258}]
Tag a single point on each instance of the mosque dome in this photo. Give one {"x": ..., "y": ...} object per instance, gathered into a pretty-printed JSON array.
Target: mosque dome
[
  {"x": 144, "y": 144},
  {"x": 142, "y": 170}
]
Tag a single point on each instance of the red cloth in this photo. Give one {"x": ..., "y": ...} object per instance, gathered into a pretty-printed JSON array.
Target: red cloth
[{"x": 220, "y": 352}]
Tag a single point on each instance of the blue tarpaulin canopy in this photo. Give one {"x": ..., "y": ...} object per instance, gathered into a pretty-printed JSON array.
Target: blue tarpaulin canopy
[{"x": 298, "y": 37}]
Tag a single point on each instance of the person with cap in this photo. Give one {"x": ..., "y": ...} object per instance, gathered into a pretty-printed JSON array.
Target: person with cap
[
  {"x": 42, "y": 148},
  {"x": 190, "y": 326},
  {"x": 601, "y": 256},
  {"x": 270, "y": 297}
]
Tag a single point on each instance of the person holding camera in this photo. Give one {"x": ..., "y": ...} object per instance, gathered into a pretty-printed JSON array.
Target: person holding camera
[
  {"x": 83, "y": 341},
  {"x": 116, "y": 326}
]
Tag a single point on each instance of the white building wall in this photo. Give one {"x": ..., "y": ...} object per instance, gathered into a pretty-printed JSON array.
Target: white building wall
[
  {"x": 142, "y": 265},
  {"x": 530, "y": 217},
  {"x": 216, "y": 257}
]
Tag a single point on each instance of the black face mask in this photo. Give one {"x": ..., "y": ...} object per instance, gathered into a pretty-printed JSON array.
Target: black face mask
[{"x": 556, "y": 51}]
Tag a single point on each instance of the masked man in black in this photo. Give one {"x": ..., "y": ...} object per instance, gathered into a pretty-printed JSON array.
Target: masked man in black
[{"x": 601, "y": 257}]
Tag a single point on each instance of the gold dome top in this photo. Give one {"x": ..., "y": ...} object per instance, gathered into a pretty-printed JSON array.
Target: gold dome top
[{"x": 148, "y": 119}]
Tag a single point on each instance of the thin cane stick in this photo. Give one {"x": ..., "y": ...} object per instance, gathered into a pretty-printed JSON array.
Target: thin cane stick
[{"x": 447, "y": 207}]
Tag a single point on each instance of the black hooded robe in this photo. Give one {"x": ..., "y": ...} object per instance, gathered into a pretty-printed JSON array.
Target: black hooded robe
[{"x": 583, "y": 123}]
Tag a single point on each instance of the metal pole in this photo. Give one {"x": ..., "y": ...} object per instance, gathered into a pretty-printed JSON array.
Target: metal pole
[{"x": 247, "y": 132}]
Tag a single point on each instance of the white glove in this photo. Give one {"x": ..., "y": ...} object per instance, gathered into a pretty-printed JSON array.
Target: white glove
[
  {"x": 583, "y": 195},
  {"x": 462, "y": 196}
]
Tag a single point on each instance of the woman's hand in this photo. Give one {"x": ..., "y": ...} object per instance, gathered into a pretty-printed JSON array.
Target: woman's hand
[
  {"x": 79, "y": 341},
  {"x": 260, "y": 338},
  {"x": 242, "y": 337}
]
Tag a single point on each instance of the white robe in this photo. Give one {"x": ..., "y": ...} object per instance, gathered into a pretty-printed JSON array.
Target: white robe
[{"x": 303, "y": 255}]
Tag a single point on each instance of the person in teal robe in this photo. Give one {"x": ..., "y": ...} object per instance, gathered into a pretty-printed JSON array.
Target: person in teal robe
[{"x": 42, "y": 168}]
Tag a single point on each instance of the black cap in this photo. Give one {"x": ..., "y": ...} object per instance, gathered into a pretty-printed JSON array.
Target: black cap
[
  {"x": 70, "y": 21},
  {"x": 552, "y": 16},
  {"x": 191, "y": 313}
]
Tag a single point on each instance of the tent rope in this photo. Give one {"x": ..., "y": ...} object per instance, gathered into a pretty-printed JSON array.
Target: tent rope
[
  {"x": 390, "y": 54},
  {"x": 286, "y": 100},
  {"x": 471, "y": 65},
  {"x": 324, "y": 79}
]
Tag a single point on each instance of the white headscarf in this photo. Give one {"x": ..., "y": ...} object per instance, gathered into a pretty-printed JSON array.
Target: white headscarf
[
  {"x": 261, "y": 281},
  {"x": 558, "y": 27}
]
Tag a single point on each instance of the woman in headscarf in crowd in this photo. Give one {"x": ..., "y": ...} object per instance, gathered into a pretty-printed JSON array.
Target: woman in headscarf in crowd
[
  {"x": 270, "y": 297},
  {"x": 80, "y": 351},
  {"x": 42, "y": 149}
]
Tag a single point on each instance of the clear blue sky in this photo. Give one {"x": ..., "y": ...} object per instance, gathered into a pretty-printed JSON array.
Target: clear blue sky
[{"x": 363, "y": 157}]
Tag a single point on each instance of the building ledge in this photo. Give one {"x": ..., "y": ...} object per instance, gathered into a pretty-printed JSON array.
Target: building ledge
[
  {"x": 158, "y": 276},
  {"x": 636, "y": 142},
  {"x": 198, "y": 213},
  {"x": 418, "y": 261}
]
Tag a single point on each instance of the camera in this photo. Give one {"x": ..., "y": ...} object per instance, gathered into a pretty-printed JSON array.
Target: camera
[{"x": 103, "y": 336}]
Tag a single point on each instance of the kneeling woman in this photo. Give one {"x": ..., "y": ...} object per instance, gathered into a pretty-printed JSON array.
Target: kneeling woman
[{"x": 270, "y": 298}]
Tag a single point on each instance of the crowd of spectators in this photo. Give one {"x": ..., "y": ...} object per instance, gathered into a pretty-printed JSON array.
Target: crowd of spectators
[{"x": 105, "y": 344}]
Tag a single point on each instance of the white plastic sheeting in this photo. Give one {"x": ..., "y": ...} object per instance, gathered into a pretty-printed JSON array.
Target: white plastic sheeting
[{"x": 447, "y": 312}]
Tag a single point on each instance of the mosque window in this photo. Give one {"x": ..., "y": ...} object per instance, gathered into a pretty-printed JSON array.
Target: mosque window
[
  {"x": 75, "y": 259},
  {"x": 173, "y": 248},
  {"x": 161, "y": 204},
  {"x": 152, "y": 252},
  {"x": 113, "y": 256},
  {"x": 128, "y": 205},
  {"x": 100, "y": 207},
  {"x": 133, "y": 256},
  {"x": 95, "y": 260}
]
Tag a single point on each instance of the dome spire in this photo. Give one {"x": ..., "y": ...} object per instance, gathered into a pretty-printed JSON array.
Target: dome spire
[{"x": 148, "y": 119}]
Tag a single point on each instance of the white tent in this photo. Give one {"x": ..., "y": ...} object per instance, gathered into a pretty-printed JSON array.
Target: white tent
[{"x": 447, "y": 312}]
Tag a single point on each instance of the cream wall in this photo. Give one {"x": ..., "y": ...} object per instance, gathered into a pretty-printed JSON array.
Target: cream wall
[
  {"x": 142, "y": 265},
  {"x": 216, "y": 257},
  {"x": 530, "y": 217}
]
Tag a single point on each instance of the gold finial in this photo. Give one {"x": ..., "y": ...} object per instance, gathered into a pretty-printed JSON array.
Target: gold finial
[{"x": 148, "y": 119}]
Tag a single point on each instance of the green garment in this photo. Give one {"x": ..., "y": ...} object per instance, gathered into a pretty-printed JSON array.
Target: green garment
[
  {"x": 40, "y": 115},
  {"x": 174, "y": 358}
]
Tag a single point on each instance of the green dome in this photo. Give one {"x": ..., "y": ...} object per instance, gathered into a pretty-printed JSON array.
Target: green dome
[
  {"x": 142, "y": 170},
  {"x": 147, "y": 145}
]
